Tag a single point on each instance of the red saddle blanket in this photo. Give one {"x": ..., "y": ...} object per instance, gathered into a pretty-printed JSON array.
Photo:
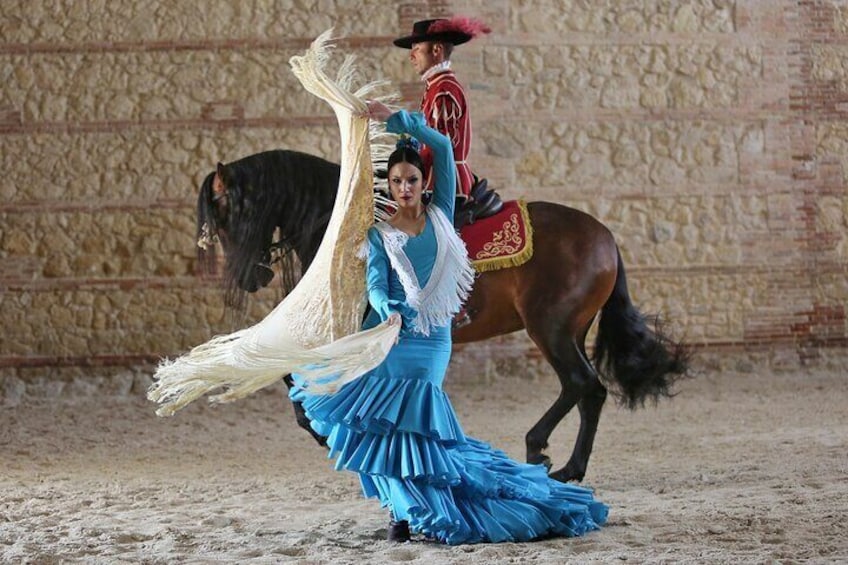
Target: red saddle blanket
[{"x": 500, "y": 241}]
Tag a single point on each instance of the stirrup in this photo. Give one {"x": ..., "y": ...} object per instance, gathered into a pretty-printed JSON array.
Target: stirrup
[{"x": 398, "y": 531}]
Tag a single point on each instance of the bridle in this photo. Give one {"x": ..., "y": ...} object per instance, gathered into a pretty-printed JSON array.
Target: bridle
[{"x": 275, "y": 253}]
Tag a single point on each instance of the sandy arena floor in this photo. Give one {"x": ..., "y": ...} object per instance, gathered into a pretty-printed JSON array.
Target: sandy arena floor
[{"x": 737, "y": 468}]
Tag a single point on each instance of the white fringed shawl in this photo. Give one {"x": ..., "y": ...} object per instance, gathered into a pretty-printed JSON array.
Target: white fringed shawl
[
  {"x": 450, "y": 280},
  {"x": 314, "y": 331}
]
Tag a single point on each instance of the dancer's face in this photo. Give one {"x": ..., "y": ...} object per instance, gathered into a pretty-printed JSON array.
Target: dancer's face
[{"x": 406, "y": 183}]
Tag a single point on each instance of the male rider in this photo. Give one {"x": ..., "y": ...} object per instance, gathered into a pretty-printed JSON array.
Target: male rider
[{"x": 444, "y": 103}]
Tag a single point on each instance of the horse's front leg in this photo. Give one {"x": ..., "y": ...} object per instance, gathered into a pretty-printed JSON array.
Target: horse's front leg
[{"x": 301, "y": 418}]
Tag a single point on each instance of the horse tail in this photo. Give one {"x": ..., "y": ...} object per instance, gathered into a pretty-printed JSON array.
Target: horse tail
[
  {"x": 633, "y": 350},
  {"x": 207, "y": 259}
]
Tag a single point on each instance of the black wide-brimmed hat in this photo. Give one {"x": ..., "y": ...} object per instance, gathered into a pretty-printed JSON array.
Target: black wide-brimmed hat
[{"x": 456, "y": 30}]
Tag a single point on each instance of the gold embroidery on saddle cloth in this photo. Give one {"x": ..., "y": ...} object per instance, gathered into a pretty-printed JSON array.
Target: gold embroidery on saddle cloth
[{"x": 509, "y": 246}]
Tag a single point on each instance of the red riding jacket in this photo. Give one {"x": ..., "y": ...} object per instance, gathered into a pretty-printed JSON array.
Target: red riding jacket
[{"x": 445, "y": 109}]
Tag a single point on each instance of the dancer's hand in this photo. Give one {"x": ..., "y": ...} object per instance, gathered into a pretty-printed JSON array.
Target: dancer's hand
[
  {"x": 378, "y": 111},
  {"x": 395, "y": 320}
]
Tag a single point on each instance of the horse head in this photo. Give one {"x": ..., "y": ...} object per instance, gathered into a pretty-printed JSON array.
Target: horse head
[
  {"x": 230, "y": 211},
  {"x": 265, "y": 209}
]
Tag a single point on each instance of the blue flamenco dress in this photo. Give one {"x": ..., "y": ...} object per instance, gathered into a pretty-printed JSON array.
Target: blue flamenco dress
[{"x": 395, "y": 427}]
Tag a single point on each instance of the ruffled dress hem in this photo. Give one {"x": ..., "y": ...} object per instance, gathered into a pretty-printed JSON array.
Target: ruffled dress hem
[{"x": 402, "y": 437}]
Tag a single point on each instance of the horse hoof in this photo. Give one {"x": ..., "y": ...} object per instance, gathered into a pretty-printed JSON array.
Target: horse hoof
[
  {"x": 541, "y": 460},
  {"x": 564, "y": 476}
]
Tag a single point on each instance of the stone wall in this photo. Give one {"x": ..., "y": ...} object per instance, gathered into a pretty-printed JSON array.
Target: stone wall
[{"x": 710, "y": 136}]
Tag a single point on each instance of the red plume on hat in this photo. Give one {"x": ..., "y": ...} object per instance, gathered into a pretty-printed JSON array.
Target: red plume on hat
[
  {"x": 460, "y": 24},
  {"x": 456, "y": 30}
]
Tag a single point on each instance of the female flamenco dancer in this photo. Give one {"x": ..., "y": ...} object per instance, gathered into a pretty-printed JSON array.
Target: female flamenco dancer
[{"x": 394, "y": 426}]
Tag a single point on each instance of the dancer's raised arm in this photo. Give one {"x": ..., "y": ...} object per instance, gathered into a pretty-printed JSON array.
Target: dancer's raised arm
[{"x": 444, "y": 167}]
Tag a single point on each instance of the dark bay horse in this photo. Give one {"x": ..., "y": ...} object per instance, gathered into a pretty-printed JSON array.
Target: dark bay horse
[{"x": 576, "y": 272}]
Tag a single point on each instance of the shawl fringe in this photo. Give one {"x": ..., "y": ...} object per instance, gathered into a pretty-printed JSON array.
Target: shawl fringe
[
  {"x": 450, "y": 281},
  {"x": 314, "y": 331}
]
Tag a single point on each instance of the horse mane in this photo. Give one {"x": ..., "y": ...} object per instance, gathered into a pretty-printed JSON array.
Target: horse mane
[{"x": 283, "y": 190}]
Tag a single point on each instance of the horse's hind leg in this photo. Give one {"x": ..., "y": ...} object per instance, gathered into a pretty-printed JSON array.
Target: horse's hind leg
[
  {"x": 589, "y": 405},
  {"x": 565, "y": 361},
  {"x": 536, "y": 439},
  {"x": 580, "y": 386}
]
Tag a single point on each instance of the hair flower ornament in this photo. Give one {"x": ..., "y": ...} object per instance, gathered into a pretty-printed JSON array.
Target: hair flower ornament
[{"x": 406, "y": 140}]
